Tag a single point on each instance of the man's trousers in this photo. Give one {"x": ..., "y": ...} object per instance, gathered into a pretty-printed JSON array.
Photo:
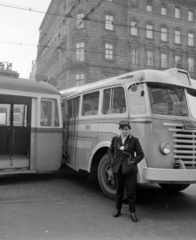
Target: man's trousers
[{"x": 128, "y": 182}]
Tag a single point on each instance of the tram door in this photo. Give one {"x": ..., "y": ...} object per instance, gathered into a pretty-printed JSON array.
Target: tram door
[{"x": 15, "y": 124}]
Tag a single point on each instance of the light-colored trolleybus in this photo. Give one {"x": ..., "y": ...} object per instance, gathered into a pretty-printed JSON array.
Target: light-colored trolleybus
[
  {"x": 30, "y": 126},
  {"x": 161, "y": 108}
]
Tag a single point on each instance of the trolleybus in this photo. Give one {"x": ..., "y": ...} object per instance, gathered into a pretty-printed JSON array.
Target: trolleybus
[
  {"x": 31, "y": 126},
  {"x": 161, "y": 108}
]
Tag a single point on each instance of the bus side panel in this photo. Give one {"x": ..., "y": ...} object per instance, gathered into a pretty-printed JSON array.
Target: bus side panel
[
  {"x": 49, "y": 150},
  {"x": 87, "y": 140}
]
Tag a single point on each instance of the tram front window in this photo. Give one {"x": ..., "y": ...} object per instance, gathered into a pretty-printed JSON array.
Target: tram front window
[{"x": 167, "y": 99}]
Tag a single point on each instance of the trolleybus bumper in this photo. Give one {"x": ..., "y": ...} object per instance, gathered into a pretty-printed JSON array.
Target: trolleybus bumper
[{"x": 162, "y": 175}]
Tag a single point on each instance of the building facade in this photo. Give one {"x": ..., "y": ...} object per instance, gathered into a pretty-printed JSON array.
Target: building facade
[{"x": 84, "y": 41}]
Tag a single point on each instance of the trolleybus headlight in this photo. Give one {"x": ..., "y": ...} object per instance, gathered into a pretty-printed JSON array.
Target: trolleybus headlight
[{"x": 165, "y": 148}]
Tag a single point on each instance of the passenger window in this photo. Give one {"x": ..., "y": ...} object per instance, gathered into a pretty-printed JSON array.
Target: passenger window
[
  {"x": 90, "y": 104},
  {"x": 20, "y": 115},
  {"x": 5, "y": 114},
  {"x": 73, "y": 108},
  {"x": 49, "y": 113},
  {"x": 137, "y": 101},
  {"x": 114, "y": 101},
  {"x": 70, "y": 109}
]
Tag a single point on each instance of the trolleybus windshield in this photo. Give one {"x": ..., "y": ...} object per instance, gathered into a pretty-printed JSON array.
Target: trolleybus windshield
[
  {"x": 167, "y": 99},
  {"x": 192, "y": 101}
]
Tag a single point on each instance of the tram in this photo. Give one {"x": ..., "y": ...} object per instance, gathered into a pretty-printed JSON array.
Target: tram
[{"x": 31, "y": 127}]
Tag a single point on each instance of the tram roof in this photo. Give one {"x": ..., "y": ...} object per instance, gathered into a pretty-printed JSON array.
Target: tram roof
[
  {"x": 28, "y": 85},
  {"x": 169, "y": 76}
]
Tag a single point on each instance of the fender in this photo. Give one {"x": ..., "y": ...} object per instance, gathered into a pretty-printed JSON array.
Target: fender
[
  {"x": 98, "y": 146},
  {"x": 141, "y": 165}
]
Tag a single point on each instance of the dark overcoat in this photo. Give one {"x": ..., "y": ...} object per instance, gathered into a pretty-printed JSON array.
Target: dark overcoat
[{"x": 132, "y": 152}]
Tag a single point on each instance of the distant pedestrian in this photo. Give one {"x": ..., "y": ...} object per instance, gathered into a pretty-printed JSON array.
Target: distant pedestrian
[{"x": 125, "y": 153}]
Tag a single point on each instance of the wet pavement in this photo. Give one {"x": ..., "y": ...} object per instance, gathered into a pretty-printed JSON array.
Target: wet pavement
[{"x": 65, "y": 205}]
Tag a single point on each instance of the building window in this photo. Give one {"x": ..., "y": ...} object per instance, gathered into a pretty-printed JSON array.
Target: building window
[
  {"x": 177, "y": 12},
  {"x": 79, "y": 22},
  {"x": 164, "y": 60},
  {"x": 134, "y": 56},
  {"x": 191, "y": 63},
  {"x": 149, "y": 6},
  {"x": 109, "y": 51},
  {"x": 177, "y": 37},
  {"x": 177, "y": 59},
  {"x": 109, "y": 22},
  {"x": 80, "y": 52},
  {"x": 134, "y": 30},
  {"x": 79, "y": 78},
  {"x": 134, "y": 3},
  {"x": 149, "y": 33},
  {"x": 190, "y": 39},
  {"x": 163, "y": 34},
  {"x": 163, "y": 10},
  {"x": 190, "y": 16},
  {"x": 150, "y": 58}
]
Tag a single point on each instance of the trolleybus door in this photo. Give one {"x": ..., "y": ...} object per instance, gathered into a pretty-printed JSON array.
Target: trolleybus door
[
  {"x": 73, "y": 108},
  {"x": 15, "y": 132}
]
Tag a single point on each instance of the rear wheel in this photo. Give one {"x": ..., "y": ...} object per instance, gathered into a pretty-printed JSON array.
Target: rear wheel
[
  {"x": 174, "y": 187},
  {"x": 106, "y": 178}
]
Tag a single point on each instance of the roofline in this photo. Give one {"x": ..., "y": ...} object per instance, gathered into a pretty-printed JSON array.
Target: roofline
[
  {"x": 27, "y": 85},
  {"x": 130, "y": 77}
]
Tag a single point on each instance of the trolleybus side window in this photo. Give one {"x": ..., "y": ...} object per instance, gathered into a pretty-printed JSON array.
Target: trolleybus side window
[
  {"x": 137, "y": 101},
  {"x": 90, "y": 104},
  {"x": 49, "y": 113},
  {"x": 114, "y": 101},
  {"x": 73, "y": 108}
]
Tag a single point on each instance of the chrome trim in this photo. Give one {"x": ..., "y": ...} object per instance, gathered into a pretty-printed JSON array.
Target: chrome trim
[{"x": 184, "y": 145}]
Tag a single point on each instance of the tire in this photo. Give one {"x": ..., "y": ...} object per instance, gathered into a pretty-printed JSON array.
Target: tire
[
  {"x": 106, "y": 178},
  {"x": 174, "y": 187}
]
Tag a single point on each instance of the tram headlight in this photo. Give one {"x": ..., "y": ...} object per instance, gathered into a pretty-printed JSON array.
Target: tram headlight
[{"x": 165, "y": 148}]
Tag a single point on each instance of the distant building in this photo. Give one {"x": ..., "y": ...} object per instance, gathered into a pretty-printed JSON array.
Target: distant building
[
  {"x": 116, "y": 37},
  {"x": 6, "y": 70},
  {"x": 33, "y": 71}
]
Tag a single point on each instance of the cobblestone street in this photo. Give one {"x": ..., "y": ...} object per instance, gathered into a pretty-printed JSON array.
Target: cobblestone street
[{"x": 66, "y": 206}]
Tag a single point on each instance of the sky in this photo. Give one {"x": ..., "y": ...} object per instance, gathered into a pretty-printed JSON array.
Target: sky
[{"x": 19, "y": 33}]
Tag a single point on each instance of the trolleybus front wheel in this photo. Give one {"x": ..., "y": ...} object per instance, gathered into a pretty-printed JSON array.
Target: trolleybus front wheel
[
  {"x": 106, "y": 178},
  {"x": 174, "y": 187}
]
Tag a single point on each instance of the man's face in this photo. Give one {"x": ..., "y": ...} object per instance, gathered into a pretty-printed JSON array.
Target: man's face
[{"x": 124, "y": 131}]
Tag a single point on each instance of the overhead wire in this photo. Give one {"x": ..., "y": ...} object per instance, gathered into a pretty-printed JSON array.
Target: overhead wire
[{"x": 86, "y": 18}]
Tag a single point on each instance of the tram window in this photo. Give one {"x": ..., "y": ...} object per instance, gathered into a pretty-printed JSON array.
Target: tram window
[
  {"x": 56, "y": 120},
  {"x": 49, "y": 113},
  {"x": 114, "y": 101},
  {"x": 20, "y": 115},
  {"x": 5, "y": 114},
  {"x": 2, "y": 118},
  {"x": 90, "y": 104}
]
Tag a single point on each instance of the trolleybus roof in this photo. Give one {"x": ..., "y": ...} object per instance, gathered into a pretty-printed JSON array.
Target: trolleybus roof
[{"x": 168, "y": 76}]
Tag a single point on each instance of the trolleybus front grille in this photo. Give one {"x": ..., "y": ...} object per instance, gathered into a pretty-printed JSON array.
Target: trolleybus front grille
[{"x": 184, "y": 145}]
